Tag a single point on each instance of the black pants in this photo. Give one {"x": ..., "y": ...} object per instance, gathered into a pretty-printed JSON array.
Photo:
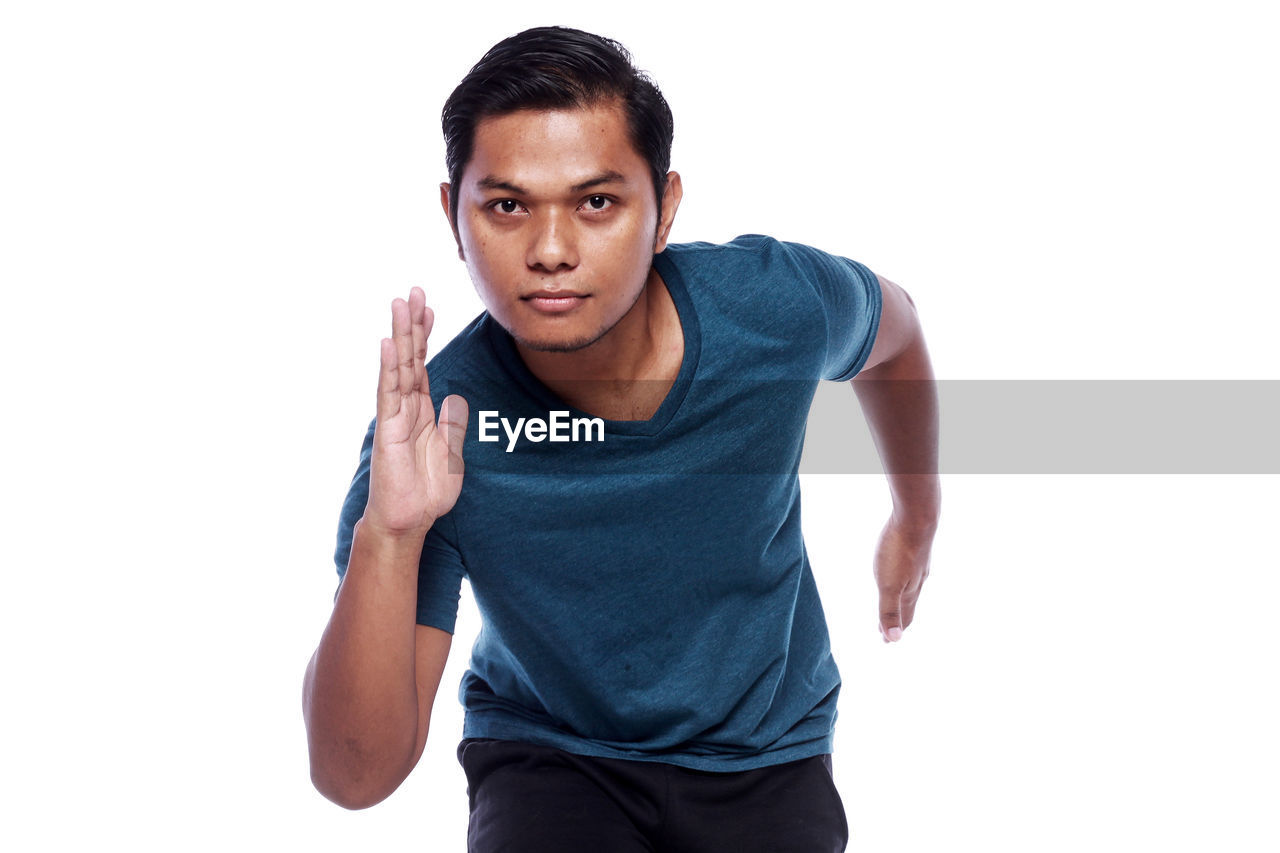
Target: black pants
[{"x": 528, "y": 799}]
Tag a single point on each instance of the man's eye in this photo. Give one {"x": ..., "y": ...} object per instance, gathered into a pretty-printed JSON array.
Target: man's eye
[
  {"x": 598, "y": 202},
  {"x": 507, "y": 206}
]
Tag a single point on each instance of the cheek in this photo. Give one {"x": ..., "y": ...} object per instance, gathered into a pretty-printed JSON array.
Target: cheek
[
  {"x": 629, "y": 243},
  {"x": 479, "y": 267},
  {"x": 485, "y": 257},
  {"x": 473, "y": 239}
]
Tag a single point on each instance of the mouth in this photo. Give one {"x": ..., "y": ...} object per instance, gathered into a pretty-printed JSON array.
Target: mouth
[{"x": 554, "y": 301}]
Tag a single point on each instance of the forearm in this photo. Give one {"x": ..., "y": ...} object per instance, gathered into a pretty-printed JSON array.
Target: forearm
[
  {"x": 899, "y": 399},
  {"x": 360, "y": 700}
]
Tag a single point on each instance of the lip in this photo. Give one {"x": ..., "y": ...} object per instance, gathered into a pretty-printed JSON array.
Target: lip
[{"x": 554, "y": 301}]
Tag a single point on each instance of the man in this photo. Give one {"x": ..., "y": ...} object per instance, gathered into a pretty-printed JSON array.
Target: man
[{"x": 653, "y": 670}]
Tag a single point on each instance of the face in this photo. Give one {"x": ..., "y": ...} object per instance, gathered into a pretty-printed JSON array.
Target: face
[{"x": 558, "y": 223}]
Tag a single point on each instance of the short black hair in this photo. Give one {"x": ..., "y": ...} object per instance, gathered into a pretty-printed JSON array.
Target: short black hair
[{"x": 556, "y": 68}]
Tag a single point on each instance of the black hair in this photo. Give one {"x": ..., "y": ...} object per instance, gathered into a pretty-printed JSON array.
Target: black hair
[{"x": 556, "y": 68}]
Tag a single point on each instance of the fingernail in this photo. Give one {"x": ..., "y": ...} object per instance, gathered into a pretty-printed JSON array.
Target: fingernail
[{"x": 895, "y": 634}]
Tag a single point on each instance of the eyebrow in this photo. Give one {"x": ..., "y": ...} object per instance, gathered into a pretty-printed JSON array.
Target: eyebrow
[
  {"x": 489, "y": 182},
  {"x": 609, "y": 177}
]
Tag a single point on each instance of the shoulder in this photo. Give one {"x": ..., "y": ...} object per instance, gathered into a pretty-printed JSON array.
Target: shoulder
[
  {"x": 762, "y": 256},
  {"x": 816, "y": 301},
  {"x": 770, "y": 273},
  {"x": 743, "y": 249},
  {"x": 749, "y": 268},
  {"x": 467, "y": 358},
  {"x": 463, "y": 346}
]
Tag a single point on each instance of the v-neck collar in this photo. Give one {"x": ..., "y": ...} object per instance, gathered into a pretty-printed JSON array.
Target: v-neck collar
[{"x": 505, "y": 348}]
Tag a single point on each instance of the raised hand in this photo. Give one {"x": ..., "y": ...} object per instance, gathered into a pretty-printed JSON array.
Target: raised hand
[{"x": 416, "y": 468}]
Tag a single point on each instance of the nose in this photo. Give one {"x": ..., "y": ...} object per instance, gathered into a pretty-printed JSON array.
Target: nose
[{"x": 554, "y": 244}]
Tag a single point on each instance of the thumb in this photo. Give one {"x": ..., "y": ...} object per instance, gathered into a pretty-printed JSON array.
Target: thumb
[
  {"x": 890, "y": 615},
  {"x": 453, "y": 422}
]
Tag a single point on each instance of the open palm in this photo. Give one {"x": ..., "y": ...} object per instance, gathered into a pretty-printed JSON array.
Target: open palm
[{"x": 416, "y": 468}]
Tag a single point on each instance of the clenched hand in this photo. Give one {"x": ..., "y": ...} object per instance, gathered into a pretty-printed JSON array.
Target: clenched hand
[{"x": 901, "y": 566}]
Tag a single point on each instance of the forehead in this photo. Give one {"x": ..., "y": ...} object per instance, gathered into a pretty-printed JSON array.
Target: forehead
[{"x": 553, "y": 148}]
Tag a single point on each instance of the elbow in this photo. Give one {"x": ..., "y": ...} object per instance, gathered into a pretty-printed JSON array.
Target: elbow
[
  {"x": 356, "y": 784},
  {"x": 352, "y": 796},
  {"x": 349, "y": 775},
  {"x": 353, "y": 776},
  {"x": 357, "y": 760}
]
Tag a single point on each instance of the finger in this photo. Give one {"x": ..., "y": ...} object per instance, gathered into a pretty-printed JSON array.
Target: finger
[
  {"x": 909, "y": 600},
  {"x": 912, "y": 594},
  {"x": 453, "y": 423},
  {"x": 388, "y": 380},
  {"x": 891, "y": 624},
  {"x": 428, "y": 321},
  {"x": 402, "y": 334},
  {"x": 417, "y": 307}
]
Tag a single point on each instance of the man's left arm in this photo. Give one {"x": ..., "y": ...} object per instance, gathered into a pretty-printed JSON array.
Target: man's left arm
[{"x": 899, "y": 399}]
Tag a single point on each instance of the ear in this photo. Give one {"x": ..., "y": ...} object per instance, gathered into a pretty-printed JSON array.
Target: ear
[
  {"x": 448, "y": 214},
  {"x": 667, "y": 215}
]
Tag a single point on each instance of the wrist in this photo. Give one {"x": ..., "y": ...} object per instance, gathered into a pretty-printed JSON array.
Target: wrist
[
  {"x": 917, "y": 504},
  {"x": 916, "y": 525},
  {"x": 372, "y": 532}
]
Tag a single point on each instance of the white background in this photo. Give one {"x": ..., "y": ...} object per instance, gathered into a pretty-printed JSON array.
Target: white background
[{"x": 206, "y": 208}]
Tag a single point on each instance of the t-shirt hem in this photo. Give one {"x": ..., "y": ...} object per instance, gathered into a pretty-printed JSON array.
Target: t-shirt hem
[{"x": 486, "y": 727}]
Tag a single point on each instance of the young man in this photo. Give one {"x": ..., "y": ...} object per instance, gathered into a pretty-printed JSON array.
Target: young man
[{"x": 653, "y": 670}]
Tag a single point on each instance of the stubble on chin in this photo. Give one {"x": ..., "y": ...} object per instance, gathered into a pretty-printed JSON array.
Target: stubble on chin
[
  {"x": 571, "y": 345},
  {"x": 556, "y": 346}
]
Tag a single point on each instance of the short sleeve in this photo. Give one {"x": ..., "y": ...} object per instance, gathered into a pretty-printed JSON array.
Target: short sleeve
[
  {"x": 849, "y": 295},
  {"x": 440, "y": 570}
]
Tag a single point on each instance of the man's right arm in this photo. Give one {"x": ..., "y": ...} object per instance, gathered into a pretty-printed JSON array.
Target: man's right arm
[
  {"x": 368, "y": 690},
  {"x": 370, "y": 685}
]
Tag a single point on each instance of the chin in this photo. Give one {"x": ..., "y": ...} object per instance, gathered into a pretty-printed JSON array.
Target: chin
[{"x": 562, "y": 344}]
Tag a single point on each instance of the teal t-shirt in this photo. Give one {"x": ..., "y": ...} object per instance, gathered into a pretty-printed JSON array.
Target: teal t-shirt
[{"x": 644, "y": 590}]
